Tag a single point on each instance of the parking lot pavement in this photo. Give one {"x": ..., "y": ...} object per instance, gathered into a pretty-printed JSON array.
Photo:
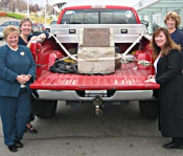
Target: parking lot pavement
[{"x": 121, "y": 131}]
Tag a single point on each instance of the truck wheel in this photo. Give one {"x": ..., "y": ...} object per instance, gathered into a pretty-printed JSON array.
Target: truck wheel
[
  {"x": 148, "y": 109},
  {"x": 44, "y": 108}
]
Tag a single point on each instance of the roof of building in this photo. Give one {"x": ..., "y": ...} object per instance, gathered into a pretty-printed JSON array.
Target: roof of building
[{"x": 155, "y": 6}]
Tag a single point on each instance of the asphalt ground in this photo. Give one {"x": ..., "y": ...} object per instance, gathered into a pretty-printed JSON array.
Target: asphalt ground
[{"x": 121, "y": 131}]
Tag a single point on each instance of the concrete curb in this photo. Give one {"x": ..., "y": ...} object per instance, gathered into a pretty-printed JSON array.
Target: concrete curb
[{"x": 4, "y": 19}]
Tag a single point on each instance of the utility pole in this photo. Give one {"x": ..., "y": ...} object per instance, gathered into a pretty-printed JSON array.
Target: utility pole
[
  {"x": 28, "y": 13},
  {"x": 45, "y": 11}
]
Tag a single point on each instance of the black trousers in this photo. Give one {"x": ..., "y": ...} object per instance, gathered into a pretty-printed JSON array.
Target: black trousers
[{"x": 32, "y": 115}]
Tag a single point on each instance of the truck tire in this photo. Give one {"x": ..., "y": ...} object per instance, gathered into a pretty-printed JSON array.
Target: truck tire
[
  {"x": 148, "y": 109},
  {"x": 44, "y": 108}
]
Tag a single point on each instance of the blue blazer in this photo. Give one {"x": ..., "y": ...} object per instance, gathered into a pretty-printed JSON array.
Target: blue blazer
[
  {"x": 177, "y": 37},
  {"x": 12, "y": 64}
]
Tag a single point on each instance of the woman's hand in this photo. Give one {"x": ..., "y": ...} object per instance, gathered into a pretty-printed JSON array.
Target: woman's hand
[
  {"x": 27, "y": 77},
  {"x": 151, "y": 80},
  {"x": 35, "y": 38},
  {"x": 42, "y": 36},
  {"x": 39, "y": 37},
  {"x": 22, "y": 79},
  {"x": 151, "y": 76}
]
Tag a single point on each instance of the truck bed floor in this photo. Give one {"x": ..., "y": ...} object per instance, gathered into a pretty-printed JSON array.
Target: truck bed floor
[{"x": 126, "y": 78}]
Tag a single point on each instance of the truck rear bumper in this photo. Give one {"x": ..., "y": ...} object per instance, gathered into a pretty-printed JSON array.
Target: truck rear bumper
[{"x": 70, "y": 95}]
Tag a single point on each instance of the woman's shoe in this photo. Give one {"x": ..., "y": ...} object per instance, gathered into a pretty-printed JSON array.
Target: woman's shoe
[
  {"x": 31, "y": 129},
  {"x": 172, "y": 145},
  {"x": 18, "y": 144},
  {"x": 12, "y": 148}
]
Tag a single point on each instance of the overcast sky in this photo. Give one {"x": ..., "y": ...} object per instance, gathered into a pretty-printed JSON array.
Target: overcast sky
[{"x": 43, "y": 2}]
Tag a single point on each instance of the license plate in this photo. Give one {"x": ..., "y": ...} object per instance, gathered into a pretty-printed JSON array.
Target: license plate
[{"x": 95, "y": 91}]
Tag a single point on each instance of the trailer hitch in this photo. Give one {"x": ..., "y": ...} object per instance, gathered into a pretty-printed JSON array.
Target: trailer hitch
[{"x": 98, "y": 104}]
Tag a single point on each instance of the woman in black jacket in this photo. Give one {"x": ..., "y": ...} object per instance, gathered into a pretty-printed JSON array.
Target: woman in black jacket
[{"x": 169, "y": 75}]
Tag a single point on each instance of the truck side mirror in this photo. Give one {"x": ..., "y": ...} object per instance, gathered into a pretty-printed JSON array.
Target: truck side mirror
[{"x": 146, "y": 23}]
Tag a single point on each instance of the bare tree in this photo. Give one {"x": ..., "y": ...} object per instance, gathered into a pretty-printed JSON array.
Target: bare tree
[
  {"x": 1, "y": 5},
  {"x": 4, "y": 4},
  {"x": 17, "y": 5},
  {"x": 21, "y": 5}
]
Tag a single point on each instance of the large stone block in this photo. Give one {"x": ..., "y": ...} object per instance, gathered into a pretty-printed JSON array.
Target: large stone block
[{"x": 96, "y": 60}]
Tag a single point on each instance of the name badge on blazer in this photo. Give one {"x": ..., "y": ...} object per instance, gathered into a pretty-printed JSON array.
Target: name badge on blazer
[{"x": 22, "y": 53}]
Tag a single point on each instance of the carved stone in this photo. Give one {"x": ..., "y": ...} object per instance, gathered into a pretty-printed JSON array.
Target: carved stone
[{"x": 96, "y": 37}]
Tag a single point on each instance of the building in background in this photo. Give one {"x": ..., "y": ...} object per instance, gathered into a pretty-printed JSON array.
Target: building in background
[{"x": 154, "y": 11}]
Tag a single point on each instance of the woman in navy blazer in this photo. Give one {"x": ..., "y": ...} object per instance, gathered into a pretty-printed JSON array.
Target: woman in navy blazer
[
  {"x": 172, "y": 21},
  {"x": 17, "y": 71}
]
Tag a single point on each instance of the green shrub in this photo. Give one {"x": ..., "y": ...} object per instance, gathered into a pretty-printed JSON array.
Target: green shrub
[
  {"x": 15, "y": 15},
  {"x": 35, "y": 18}
]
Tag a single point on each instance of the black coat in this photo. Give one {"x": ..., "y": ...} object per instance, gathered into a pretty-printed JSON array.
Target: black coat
[{"x": 170, "y": 97}]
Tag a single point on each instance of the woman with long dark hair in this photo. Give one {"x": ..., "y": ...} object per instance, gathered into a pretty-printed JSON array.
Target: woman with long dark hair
[{"x": 167, "y": 55}]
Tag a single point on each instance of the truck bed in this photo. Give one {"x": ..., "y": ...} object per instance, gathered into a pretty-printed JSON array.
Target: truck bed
[{"x": 126, "y": 78}]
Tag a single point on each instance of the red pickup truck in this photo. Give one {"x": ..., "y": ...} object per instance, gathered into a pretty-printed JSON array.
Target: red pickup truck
[{"x": 126, "y": 84}]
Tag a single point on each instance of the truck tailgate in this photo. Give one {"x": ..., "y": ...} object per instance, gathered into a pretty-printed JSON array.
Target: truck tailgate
[{"x": 127, "y": 78}]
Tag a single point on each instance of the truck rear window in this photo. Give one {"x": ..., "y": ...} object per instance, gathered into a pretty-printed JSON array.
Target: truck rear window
[{"x": 93, "y": 16}]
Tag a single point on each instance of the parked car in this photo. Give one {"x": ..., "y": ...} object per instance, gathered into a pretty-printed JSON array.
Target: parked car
[
  {"x": 24, "y": 12},
  {"x": 47, "y": 27},
  {"x": 1, "y": 33},
  {"x": 37, "y": 28},
  {"x": 2, "y": 26},
  {"x": 42, "y": 26},
  {"x": 16, "y": 23}
]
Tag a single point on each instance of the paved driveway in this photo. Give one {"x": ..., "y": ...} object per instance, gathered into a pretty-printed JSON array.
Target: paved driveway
[{"x": 78, "y": 132}]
